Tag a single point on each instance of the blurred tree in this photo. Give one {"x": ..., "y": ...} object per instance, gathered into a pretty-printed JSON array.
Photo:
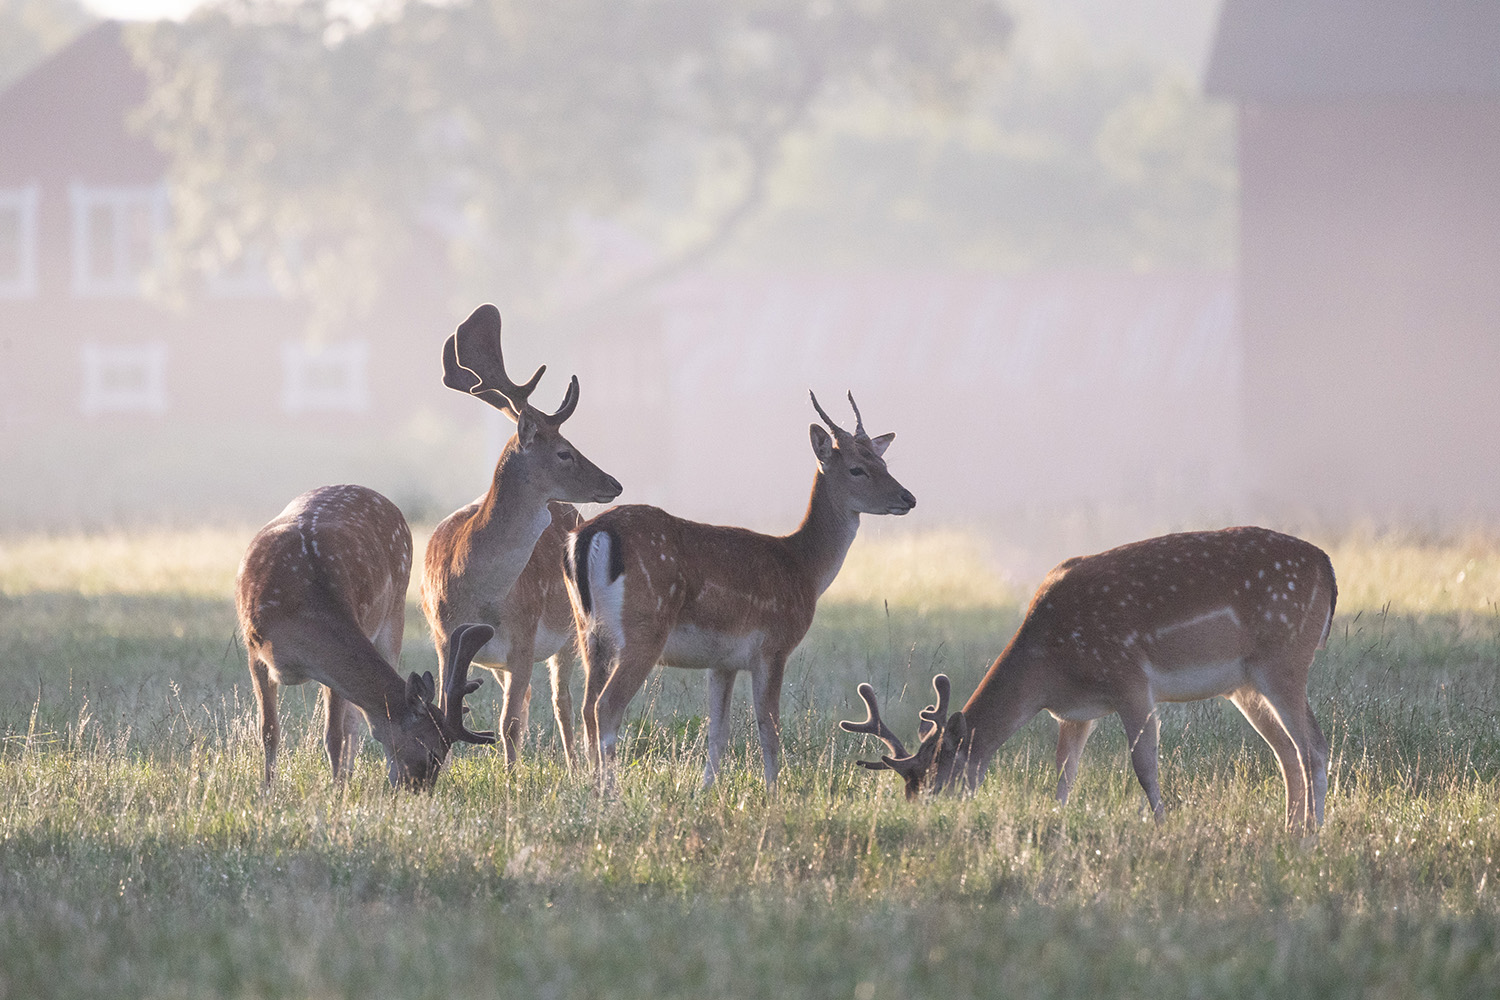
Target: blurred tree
[
  {"x": 314, "y": 132},
  {"x": 31, "y": 29},
  {"x": 1067, "y": 159}
]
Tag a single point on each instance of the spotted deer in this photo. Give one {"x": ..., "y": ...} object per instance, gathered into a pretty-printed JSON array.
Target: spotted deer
[
  {"x": 321, "y": 596},
  {"x": 648, "y": 588},
  {"x": 1239, "y": 612},
  {"x": 498, "y": 560}
]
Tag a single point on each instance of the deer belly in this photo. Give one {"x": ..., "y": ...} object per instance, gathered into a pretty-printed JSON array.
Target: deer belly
[
  {"x": 495, "y": 652},
  {"x": 1194, "y": 681},
  {"x": 1197, "y": 658},
  {"x": 548, "y": 642},
  {"x": 701, "y": 649}
]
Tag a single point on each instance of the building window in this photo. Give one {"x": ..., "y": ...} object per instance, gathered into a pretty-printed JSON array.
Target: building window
[
  {"x": 324, "y": 377},
  {"x": 118, "y": 235},
  {"x": 129, "y": 379},
  {"x": 18, "y": 242}
]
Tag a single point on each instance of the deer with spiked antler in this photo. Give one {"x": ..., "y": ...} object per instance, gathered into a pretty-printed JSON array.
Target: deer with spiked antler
[
  {"x": 648, "y": 588},
  {"x": 498, "y": 560}
]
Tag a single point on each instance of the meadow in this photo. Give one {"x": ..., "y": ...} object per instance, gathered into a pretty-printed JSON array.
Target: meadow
[{"x": 139, "y": 856}]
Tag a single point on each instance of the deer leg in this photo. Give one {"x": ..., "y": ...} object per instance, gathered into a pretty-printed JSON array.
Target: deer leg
[
  {"x": 1257, "y": 709},
  {"x": 515, "y": 705},
  {"x": 1284, "y": 685},
  {"x": 720, "y": 690},
  {"x": 639, "y": 655},
  {"x": 339, "y": 733},
  {"x": 1303, "y": 754},
  {"x": 266, "y": 691},
  {"x": 1071, "y": 736},
  {"x": 1319, "y": 752},
  {"x": 598, "y": 664},
  {"x": 766, "y": 689},
  {"x": 560, "y": 666},
  {"x": 1143, "y": 735}
]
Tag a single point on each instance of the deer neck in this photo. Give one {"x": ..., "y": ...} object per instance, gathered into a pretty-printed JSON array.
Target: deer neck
[
  {"x": 348, "y": 663},
  {"x": 823, "y": 538},
  {"x": 506, "y": 527},
  {"x": 1004, "y": 701}
]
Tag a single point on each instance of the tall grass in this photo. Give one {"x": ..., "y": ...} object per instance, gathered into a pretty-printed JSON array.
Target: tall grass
[{"x": 140, "y": 857}]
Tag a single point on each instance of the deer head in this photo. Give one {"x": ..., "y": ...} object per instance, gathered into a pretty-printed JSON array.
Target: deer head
[
  {"x": 943, "y": 750},
  {"x": 853, "y": 465},
  {"x": 474, "y": 363},
  {"x": 433, "y": 721}
]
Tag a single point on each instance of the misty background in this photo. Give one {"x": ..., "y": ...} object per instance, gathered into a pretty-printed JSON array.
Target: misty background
[{"x": 1012, "y": 230}]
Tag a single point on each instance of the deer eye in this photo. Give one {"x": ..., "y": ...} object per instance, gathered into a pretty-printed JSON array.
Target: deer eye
[
  {"x": 856, "y": 471},
  {"x": 565, "y": 455}
]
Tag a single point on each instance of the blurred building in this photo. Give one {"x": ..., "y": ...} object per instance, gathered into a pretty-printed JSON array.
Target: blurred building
[
  {"x": 84, "y": 209},
  {"x": 1370, "y": 251},
  {"x": 108, "y": 394},
  {"x": 1015, "y": 399},
  {"x": 1012, "y": 396}
]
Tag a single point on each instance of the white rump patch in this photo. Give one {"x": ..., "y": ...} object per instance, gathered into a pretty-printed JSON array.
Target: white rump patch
[{"x": 608, "y": 598}]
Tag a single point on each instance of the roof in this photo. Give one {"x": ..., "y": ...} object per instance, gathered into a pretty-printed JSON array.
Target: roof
[
  {"x": 68, "y": 114},
  {"x": 1321, "y": 49}
]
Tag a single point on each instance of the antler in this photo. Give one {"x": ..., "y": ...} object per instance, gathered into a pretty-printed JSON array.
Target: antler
[
  {"x": 859, "y": 423},
  {"x": 837, "y": 430},
  {"x": 474, "y": 362},
  {"x": 934, "y": 716},
  {"x": 465, "y": 641},
  {"x": 481, "y": 370},
  {"x": 873, "y": 725}
]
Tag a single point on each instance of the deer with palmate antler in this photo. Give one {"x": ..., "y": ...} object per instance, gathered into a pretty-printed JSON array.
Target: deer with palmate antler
[
  {"x": 498, "y": 560},
  {"x": 1240, "y": 613},
  {"x": 648, "y": 587},
  {"x": 321, "y": 596}
]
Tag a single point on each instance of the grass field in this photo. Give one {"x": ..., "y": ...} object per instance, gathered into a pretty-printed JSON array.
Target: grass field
[{"x": 139, "y": 856}]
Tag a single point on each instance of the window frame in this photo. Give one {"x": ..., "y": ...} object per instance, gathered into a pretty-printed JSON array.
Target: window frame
[
  {"x": 125, "y": 277},
  {"x": 300, "y": 359},
  {"x": 25, "y": 201},
  {"x": 97, "y": 359}
]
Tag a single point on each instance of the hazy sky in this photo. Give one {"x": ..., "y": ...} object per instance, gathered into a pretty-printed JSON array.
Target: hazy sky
[
  {"x": 1172, "y": 31},
  {"x": 145, "y": 10}
]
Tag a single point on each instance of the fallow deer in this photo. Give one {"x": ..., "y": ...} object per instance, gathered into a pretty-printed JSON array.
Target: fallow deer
[
  {"x": 1240, "y": 612},
  {"x": 498, "y": 560},
  {"x": 321, "y": 596},
  {"x": 648, "y": 587}
]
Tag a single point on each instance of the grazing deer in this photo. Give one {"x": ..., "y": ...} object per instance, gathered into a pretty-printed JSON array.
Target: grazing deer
[
  {"x": 321, "y": 596},
  {"x": 498, "y": 560},
  {"x": 1239, "y": 613},
  {"x": 648, "y": 587}
]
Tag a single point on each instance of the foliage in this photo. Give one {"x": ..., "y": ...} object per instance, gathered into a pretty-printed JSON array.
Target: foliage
[
  {"x": 1067, "y": 159},
  {"x": 138, "y": 856},
  {"x": 314, "y": 135}
]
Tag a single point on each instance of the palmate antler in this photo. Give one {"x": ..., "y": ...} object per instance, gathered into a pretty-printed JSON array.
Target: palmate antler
[
  {"x": 933, "y": 716},
  {"x": 474, "y": 362},
  {"x": 463, "y": 644},
  {"x": 873, "y": 726}
]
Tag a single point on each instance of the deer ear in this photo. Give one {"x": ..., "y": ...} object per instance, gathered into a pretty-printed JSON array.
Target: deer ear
[
  {"x": 957, "y": 730},
  {"x": 526, "y": 428},
  {"x": 880, "y": 444},
  {"x": 419, "y": 689},
  {"x": 822, "y": 443}
]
